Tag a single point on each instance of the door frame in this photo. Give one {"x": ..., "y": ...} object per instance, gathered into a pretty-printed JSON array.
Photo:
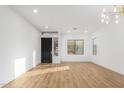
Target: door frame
[{"x": 55, "y": 59}]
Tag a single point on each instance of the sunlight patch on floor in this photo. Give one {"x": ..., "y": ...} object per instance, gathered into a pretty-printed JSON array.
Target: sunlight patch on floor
[
  {"x": 48, "y": 70},
  {"x": 55, "y": 69}
]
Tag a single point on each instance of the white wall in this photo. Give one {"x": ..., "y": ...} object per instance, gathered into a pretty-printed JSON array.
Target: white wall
[
  {"x": 19, "y": 45},
  {"x": 87, "y": 48},
  {"x": 110, "y": 41}
]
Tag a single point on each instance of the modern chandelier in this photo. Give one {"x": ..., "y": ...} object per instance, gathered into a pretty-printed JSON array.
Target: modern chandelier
[{"x": 114, "y": 14}]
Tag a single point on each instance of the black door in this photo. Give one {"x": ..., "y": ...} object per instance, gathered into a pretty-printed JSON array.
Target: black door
[{"x": 46, "y": 48}]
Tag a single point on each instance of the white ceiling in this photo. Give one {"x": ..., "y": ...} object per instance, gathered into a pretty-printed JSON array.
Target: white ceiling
[{"x": 63, "y": 17}]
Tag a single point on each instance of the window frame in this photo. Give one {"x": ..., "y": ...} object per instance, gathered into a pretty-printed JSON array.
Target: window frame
[{"x": 74, "y": 40}]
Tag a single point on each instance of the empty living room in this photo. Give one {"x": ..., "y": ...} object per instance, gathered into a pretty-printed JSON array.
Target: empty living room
[{"x": 62, "y": 46}]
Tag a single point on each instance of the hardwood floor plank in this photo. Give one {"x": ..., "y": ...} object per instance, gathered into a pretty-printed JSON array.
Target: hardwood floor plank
[{"x": 68, "y": 75}]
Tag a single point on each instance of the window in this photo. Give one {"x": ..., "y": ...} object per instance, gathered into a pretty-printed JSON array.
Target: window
[
  {"x": 75, "y": 47},
  {"x": 55, "y": 46},
  {"x": 94, "y": 47}
]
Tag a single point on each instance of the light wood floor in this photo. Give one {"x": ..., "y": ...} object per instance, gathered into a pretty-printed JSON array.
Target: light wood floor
[{"x": 68, "y": 75}]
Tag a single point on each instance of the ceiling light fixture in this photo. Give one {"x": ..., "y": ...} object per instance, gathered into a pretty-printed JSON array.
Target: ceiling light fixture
[
  {"x": 103, "y": 10},
  {"x": 35, "y": 11},
  {"x": 46, "y": 27},
  {"x": 117, "y": 21},
  {"x": 115, "y": 9},
  {"x": 107, "y": 17},
  {"x": 107, "y": 22},
  {"x": 114, "y": 14},
  {"x": 102, "y": 15}
]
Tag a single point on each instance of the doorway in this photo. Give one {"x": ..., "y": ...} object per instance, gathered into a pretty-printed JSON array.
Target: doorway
[{"x": 46, "y": 50}]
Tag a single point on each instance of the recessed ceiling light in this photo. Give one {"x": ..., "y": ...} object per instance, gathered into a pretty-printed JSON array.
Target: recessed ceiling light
[
  {"x": 46, "y": 27},
  {"x": 35, "y": 10}
]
